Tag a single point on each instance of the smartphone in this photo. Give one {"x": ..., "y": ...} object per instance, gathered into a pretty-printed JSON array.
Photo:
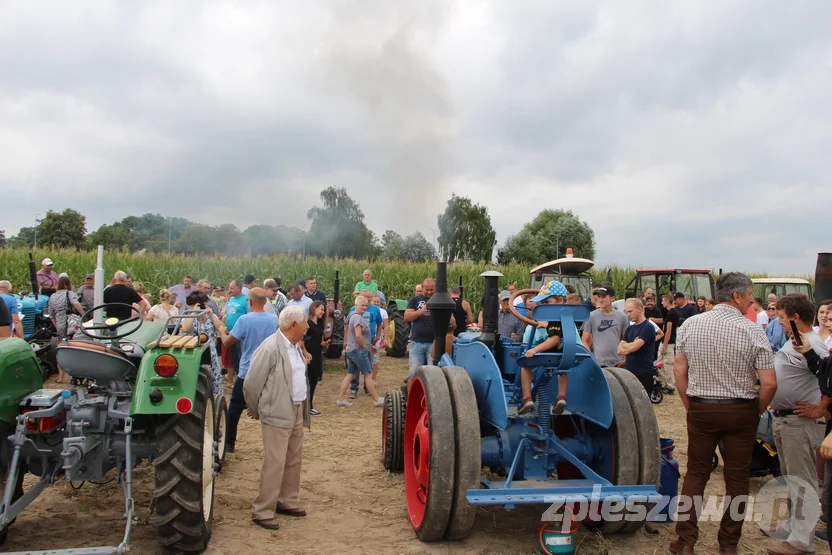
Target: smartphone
[{"x": 795, "y": 333}]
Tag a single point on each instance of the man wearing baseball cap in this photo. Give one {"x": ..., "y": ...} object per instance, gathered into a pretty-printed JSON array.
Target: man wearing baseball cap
[
  {"x": 553, "y": 292},
  {"x": 47, "y": 277},
  {"x": 605, "y": 329}
]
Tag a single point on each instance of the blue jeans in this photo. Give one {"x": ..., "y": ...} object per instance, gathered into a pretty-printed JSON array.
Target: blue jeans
[
  {"x": 419, "y": 356},
  {"x": 358, "y": 362}
]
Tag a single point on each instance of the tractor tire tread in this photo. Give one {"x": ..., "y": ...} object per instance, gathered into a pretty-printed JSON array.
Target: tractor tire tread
[
  {"x": 180, "y": 525},
  {"x": 393, "y": 453}
]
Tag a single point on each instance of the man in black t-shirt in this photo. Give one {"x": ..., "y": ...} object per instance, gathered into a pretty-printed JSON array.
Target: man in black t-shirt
[
  {"x": 421, "y": 328},
  {"x": 656, "y": 315},
  {"x": 121, "y": 293},
  {"x": 638, "y": 344}
]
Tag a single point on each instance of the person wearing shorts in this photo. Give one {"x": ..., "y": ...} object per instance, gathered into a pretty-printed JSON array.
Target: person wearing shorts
[{"x": 358, "y": 343}]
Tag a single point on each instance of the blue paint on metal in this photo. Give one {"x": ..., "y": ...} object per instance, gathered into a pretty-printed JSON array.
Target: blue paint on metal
[{"x": 561, "y": 491}]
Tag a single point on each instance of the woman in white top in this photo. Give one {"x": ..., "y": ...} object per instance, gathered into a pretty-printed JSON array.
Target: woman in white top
[{"x": 159, "y": 313}]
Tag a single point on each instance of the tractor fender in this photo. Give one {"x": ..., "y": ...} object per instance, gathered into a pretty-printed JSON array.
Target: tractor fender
[{"x": 182, "y": 384}]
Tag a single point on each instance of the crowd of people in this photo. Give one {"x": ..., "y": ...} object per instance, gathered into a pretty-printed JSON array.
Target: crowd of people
[{"x": 730, "y": 359}]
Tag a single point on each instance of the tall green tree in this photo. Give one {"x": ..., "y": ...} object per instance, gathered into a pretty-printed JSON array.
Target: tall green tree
[
  {"x": 465, "y": 231},
  {"x": 413, "y": 248},
  {"x": 547, "y": 237},
  {"x": 205, "y": 239},
  {"x": 24, "y": 238},
  {"x": 338, "y": 227},
  {"x": 63, "y": 229},
  {"x": 111, "y": 237}
]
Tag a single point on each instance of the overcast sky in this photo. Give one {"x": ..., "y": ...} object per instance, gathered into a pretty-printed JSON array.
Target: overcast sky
[{"x": 684, "y": 133}]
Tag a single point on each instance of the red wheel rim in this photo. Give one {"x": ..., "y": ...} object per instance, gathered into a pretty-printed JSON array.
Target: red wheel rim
[{"x": 416, "y": 453}]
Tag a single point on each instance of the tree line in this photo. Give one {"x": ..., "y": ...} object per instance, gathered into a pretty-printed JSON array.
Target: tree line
[{"x": 337, "y": 229}]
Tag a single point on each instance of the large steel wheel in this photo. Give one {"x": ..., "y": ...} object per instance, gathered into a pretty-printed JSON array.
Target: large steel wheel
[
  {"x": 392, "y": 432},
  {"x": 429, "y": 457},
  {"x": 617, "y": 462},
  {"x": 647, "y": 429},
  {"x": 185, "y": 475},
  {"x": 468, "y": 451},
  {"x": 221, "y": 428}
]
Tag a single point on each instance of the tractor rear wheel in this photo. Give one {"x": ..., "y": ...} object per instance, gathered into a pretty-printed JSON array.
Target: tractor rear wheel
[
  {"x": 221, "y": 428},
  {"x": 647, "y": 429},
  {"x": 468, "y": 451},
  {"x": 184, "y": 464},
  {"x": 336, "y": 347},
  {"x": 429, "y": 457},
  {"x": 401, "y": 332},
  {"x": 392, "y": 432},
  {"x": 618, "y": 464}
]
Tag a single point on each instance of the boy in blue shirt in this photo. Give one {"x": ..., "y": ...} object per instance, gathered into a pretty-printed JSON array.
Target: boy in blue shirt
[{"x": 553, "y": 292}]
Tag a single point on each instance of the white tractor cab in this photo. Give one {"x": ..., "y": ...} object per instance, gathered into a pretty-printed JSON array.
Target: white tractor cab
[
  {"x": 763, "y": 287},
  {"x": 568, "y": 270}
]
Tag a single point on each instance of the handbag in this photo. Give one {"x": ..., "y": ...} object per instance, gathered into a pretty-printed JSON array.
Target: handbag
[{"x": 73, "y": 319}]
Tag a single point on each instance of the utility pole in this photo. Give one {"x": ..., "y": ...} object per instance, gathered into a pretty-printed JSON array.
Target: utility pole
[
  {"x": 170, "y": 231},
  {"x": 37, "y": 223}
]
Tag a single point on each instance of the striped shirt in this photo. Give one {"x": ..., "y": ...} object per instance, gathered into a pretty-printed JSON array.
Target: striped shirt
[
  {"x": 724, "y": 352},
  {"x": 507, "y": 323}
]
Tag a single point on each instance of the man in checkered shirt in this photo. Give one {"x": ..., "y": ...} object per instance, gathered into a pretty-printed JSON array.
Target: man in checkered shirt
[{"x": 720, "y": 355}]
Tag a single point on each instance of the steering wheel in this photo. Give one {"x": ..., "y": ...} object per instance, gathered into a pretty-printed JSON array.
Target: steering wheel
[
  {"x": 513, "y": 310},
  {"x": 111, "y": 323}
]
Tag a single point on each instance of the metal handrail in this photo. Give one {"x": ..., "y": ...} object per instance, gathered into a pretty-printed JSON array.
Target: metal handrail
[{"x": 190, "y": 313}]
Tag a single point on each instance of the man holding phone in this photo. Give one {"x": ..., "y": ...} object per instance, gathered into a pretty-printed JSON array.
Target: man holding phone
[{"x": 799, "y": 410}]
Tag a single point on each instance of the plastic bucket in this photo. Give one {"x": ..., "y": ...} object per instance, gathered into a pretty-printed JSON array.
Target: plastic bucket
[
  {"x": 669, "y": 483},
  {"x": 557, "y": 537}
]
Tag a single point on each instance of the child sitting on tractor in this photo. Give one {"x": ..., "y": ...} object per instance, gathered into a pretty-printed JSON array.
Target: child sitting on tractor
[{"x": 553, "y": 292}]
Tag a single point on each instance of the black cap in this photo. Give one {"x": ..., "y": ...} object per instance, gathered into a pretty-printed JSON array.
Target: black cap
[
  {"x": 302, "y": 283},
  {"x": 603, "y": 291},
  {"x": 679, "y": 295},
  {"x": 249, "y": 278}
]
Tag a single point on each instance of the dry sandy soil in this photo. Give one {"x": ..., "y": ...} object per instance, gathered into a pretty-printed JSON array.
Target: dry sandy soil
[{"x": 354, "y": 505}]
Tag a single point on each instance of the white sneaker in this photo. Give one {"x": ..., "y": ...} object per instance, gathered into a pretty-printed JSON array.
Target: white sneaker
[
  {"x": 343, "y": 403},
  {"x": 379, "y": 402}
]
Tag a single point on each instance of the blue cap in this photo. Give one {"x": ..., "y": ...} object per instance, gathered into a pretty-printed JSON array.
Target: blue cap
[{"x": 552, "y": 288}]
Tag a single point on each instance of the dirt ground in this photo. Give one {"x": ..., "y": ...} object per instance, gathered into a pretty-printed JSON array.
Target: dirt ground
[{"x": 354, "y": 505}]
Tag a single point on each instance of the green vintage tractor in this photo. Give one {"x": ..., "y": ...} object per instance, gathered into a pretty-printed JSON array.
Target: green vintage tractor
[
  {"x": 136, "y": 395},
  {"x": 399, "y": 329}
]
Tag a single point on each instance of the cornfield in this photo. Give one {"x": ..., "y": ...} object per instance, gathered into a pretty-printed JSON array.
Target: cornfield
[{"x": 156, "y": 271}]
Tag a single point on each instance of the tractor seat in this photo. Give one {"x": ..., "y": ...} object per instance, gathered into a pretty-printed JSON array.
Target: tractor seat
[{"x": 93, "y": 360}]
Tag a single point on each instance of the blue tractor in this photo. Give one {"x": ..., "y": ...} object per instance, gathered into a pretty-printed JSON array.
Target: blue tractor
[
  {"x": 458, "y": 438},
  {"x": 38, "y": 329}
]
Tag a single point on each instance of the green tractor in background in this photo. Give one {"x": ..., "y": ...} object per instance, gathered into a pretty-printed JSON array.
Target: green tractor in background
[
  {"x": 399, "y": 329},
  {"x": 136, "y": 395}
]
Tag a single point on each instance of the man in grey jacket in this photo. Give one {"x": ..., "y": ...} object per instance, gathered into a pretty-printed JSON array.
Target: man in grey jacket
[{"x": 276, "y": 391}]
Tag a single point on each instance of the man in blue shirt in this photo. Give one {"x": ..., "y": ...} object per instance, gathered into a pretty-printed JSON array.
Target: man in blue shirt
[
  {"x": 374, "y": 319},
  {"x": 236, "y": 306},
  {"x": 11, "y": 305},
  {"x": 250, "y": 330}
]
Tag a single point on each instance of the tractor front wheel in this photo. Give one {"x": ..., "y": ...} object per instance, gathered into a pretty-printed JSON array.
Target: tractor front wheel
[
  {"x": 184, "y": 465},
  {"x": 221, "y": 428},
  {"x": 392, "y": 432},
  {"x": 429, "y": 454},
  {"x": 468, "y": 451}
]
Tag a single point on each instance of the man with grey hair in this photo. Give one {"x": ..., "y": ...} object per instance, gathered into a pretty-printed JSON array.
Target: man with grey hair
[
  {"x": 11, "y": 304},
  {"x": 120, "y": 294},
  {"x": 276, "y": 392},
  {"x": 86, "y": 293},
  {"x": 720, "y": 356}
]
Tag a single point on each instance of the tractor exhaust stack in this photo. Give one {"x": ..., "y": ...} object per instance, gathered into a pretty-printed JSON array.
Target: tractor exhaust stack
[
  {"x": 33, "y": 275},
  {"x": 823, "y": 277},
  {"x": 98, "y": 288},
  {"x": 490, "y": 306},
  {"x": 336, "y": 293},
  {"x": 441, "y": 306}
]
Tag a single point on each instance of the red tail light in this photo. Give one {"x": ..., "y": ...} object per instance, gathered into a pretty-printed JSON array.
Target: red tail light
[{"x": 166, "y": 365}]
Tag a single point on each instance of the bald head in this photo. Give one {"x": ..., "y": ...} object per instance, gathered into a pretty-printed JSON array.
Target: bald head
[
  {"x": 428, "y": 287},
  {"x": 257, "y": 296}
]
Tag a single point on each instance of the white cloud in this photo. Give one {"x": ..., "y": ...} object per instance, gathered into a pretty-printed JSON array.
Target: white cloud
[{"x": 685, "y": 134}]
